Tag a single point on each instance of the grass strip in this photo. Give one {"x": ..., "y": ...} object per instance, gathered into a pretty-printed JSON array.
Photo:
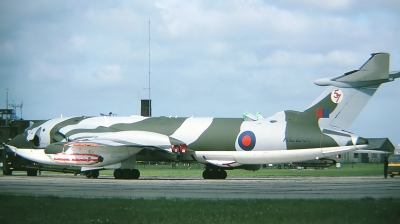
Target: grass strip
[
  {"x": 196, "y": 170},
  {"x": 31, "y": 209}
]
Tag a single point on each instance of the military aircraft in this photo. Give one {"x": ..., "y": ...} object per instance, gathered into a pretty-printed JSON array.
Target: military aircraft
[{"x": 96, "y": 143}]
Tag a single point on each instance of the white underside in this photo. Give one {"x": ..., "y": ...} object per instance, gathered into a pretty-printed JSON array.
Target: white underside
[
  {"x": 237, "y": 158},
  {"x": 218, "y": 158},
  {"x": 36, "y": 155},
  {"x": 111, "y": 155}
]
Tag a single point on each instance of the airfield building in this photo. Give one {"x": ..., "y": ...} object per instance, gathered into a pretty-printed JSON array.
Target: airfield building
[{"x": 380, "y": 144}]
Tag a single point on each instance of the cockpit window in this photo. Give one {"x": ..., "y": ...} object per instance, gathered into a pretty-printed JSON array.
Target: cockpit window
[{"x": 32, "y": 125}]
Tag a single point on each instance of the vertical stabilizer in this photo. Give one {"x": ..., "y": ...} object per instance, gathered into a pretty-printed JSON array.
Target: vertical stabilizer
[{"x": 346, "y": 95}]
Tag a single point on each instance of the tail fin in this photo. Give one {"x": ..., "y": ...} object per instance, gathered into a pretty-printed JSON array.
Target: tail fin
[{"x": 346, "y": 95}]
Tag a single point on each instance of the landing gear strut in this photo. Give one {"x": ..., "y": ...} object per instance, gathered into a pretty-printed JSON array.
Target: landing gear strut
[
  {"x": 214, "y": 174},
  {"x": 126, "y": 174}
]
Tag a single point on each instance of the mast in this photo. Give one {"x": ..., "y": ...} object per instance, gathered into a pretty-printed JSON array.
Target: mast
[
  {"x": 7, "y": 99},
  {"x": 149, "y": 74}
]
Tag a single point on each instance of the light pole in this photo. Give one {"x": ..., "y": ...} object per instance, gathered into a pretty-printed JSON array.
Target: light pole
[
  {"x": 17, "y": 105},
  {"x": 7, "y": 98}
]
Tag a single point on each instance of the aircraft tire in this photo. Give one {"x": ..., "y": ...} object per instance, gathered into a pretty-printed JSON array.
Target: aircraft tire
[
  {"x": 207, "y": 174},
  {"x": 131, "y": 174},
  {"x": 7, "y": 172},
  {"x": 88, "y": 174},
  {"x": 126, "y": 174},
  {"x": 31, "y": 173},
  {"x": 135, "y": 174},
  {"x": 222, "y": 174},
  {"x": 95, "y": 173},
  {"x": 214, "y": 174},
  {"x": 118, "y": 174}
]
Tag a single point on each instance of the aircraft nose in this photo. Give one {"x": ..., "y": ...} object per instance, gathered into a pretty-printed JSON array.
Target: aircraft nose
[
  {"x": 11, "y": 148},
  {"x": 20, "y": 141}
]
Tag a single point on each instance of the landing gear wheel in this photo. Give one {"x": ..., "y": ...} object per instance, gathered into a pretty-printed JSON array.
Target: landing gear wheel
[
  {"x": 126, "y": 174},
  {"x": 7, "y": 171},
  {"x": 221, "y": 174},
  {"x": 88, "y": 174},
  {"x": 391, "y": 175},
  {"x": 207, "y": 174},
  {"x": 134, "y": 174},
  {"x": 214, "y": 174},
  {"x": 31, "y": 173},
  {"x": 118, "y": 174},
  {"x": 95, "y": 173}
]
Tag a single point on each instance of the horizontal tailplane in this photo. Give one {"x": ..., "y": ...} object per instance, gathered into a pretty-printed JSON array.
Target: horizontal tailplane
[{"x": 346, "y": 95}]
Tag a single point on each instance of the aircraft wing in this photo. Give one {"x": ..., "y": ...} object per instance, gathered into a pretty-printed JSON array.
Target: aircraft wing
[
  {"x": 238, "y": 158},
  {"x": 111, "y": 148},
  {"x": 138, "y": 139}
]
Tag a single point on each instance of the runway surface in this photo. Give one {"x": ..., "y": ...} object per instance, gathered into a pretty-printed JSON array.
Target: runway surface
[{"x": 67, "y": 185}]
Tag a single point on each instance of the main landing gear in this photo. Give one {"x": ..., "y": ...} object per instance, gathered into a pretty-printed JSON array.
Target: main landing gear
[
  {"x": 214, "y": 174},
  {"x": 126, "y": 174},
  {"x": 31, "y": 172},
  {"x": 92, "y": 174}
]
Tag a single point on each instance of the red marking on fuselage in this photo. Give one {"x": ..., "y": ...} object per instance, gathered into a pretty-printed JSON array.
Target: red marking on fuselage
[
  {"x": 76, "y": 158},
  {"x": 61, "y": 159}
]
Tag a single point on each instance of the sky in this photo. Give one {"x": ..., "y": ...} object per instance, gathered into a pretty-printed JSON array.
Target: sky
[{"x": 205, "y": 58}]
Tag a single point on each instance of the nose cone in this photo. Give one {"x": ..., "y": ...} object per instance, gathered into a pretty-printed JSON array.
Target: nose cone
[
  {"x": 20, "y": 142},
  {"x": 11, "y": 148}
]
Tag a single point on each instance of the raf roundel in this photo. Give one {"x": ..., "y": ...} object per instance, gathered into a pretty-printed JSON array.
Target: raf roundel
[{"x": 247, "y": 140}]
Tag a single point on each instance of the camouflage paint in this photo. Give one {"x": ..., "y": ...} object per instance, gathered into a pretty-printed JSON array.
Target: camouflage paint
[
  {"x": 315, "y": 132},
  {"x": 161, "y": 125},
  {"x": 55, "y": 135},
  {"x": 220, "y": 136},
  {"x": 302, "y": 129}
]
